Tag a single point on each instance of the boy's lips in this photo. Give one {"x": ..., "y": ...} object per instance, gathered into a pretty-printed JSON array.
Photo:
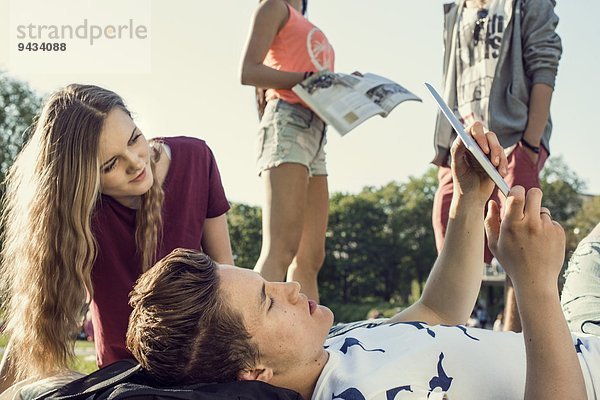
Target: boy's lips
[{"x": 312, "y": 307}]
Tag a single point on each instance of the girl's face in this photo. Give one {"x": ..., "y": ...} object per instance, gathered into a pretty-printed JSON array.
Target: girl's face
[{"x": 125, "y": 172}]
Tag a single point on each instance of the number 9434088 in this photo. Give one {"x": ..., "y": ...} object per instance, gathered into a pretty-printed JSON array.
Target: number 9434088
[{"x": 44, "y": 46}]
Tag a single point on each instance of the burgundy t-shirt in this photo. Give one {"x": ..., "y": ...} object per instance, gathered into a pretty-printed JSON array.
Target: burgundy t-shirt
[{"x": 193, "y": 192}]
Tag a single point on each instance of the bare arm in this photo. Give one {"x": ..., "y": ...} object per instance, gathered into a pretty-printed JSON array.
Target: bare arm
[
  {"x": 269, "y": 18},
  {"x": 539, "y": 110},
  {"x": 215, "y": 240},
  {"x": 531, "y": 248},
  {"x": 453, "y": 285}
]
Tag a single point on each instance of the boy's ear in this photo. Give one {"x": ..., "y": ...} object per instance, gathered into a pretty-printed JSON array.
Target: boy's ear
[{"x": 264, "y": 374}]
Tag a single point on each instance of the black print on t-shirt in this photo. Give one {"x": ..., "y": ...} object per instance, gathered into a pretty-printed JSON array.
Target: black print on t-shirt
[{"x": 493, "y": 36}]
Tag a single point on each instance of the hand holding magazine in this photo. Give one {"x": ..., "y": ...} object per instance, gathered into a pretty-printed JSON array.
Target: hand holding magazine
[{"x": 345, "y": 101}]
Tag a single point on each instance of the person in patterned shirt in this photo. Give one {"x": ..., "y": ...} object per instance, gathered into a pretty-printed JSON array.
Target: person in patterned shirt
[{"x": 277, "y": 335}]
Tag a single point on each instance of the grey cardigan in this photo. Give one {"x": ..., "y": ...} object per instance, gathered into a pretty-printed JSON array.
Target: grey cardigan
[{"x": 529, "y": 54}]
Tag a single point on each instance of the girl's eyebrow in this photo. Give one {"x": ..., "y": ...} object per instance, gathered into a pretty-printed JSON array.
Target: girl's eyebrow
[
  {"x": 112, "y": 158},
  {"x": 132, "y": 133}
]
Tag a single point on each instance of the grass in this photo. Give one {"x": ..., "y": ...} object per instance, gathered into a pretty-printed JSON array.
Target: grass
[{"x": 84, "y": 363}]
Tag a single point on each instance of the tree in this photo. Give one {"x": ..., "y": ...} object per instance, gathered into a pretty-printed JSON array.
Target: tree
[
  {"x": 379, "y": 242},
  {"x": 562, "y": 195},
  {"x": 245, "y": 231},
  {"x": 355, "y": 248},
  {"x": 584, "y": 221},
  {"x": 18, "y": 106},
  {"x": 414, "y": 250},
  {"x": 562, "y": 188}
]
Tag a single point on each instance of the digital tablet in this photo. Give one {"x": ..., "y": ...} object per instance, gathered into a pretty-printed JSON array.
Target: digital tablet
[{"x": 469, "y": 142}]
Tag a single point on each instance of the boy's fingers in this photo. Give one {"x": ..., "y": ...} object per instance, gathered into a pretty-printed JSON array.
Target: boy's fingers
[
  {"x": 495, "y": 148},
  {"x": 515, "y": 203},
  {"x": 458, "y": 151},
  {"x": 533, "y": 203},
  {"x": 478, "y": 134},
  {"x": 492, "y": 224},
  {"x": 560, "y": 230},
  {"x": 545, "y": 214},
  {"x": 497, "y": 156}
]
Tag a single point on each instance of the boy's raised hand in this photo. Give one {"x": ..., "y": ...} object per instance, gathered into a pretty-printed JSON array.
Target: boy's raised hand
[
  {"x": 469, "y": 177},
  {"x": 526, "y": 242}
]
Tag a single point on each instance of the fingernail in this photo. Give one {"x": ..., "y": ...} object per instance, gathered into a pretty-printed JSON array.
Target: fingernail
[{"x": 497, "y": 160}]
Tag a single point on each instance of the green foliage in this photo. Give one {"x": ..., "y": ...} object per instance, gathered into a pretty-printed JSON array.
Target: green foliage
[
  {"x": 245, "y": 231},
  {"x": 379, "y": 241},
  {"x": 18, "y": 106},
  {"x": 561, "y": 187},
  {"x": 584, "y": 221},
  {"x": 562, "y": 195},
  {"x": 357, "y": 242}
]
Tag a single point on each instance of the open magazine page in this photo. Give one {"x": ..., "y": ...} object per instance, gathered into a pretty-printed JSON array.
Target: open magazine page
[
  {"x": 384, "y": 92},
  {"x": 334, "y": 98}
]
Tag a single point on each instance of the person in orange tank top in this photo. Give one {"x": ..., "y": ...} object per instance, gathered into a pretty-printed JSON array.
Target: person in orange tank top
[{"x": 282, "y": 50}]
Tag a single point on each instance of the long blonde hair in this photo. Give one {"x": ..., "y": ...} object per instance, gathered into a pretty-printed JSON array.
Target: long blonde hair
[{"x": 48, "y": 244}]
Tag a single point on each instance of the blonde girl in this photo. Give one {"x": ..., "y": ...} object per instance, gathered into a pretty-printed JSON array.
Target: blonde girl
[{"x": 91, "y": 204}]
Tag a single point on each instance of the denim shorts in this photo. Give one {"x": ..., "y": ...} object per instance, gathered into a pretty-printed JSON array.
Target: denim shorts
[
  {"x": 291, "y": 133},
  {"x": 580, "y": 298}
]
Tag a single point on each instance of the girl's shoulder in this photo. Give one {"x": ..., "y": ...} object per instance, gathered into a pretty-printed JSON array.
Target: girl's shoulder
[
  {"x": 274, "y": 10},
  {"x": 180, "y": 155},
  {"x": 183, "y": 144}
]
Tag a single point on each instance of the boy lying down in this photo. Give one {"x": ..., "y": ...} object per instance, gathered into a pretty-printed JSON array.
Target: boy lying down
[{"x": 196, "y": 321}]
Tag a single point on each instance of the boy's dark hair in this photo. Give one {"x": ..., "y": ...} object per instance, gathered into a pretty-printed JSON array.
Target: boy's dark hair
[{"x": 181, "y": 330}]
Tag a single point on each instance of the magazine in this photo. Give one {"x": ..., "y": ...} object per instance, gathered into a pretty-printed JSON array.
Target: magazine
[{"x": 345, "y": 101}]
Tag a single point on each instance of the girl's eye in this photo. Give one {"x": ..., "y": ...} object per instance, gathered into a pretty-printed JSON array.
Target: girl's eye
[
  {"x": 135, "y": 138},
  {"x": 272, "y": 302},
  {"x": 109, "y": 167}
]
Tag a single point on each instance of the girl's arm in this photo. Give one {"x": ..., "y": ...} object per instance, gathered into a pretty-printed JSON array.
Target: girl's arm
[
  {"x": 215, "y": 240},
  {"x": 269, "y": 18}
]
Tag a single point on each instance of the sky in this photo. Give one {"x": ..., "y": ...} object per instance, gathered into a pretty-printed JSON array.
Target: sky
[{"x": 183, "y": 79}]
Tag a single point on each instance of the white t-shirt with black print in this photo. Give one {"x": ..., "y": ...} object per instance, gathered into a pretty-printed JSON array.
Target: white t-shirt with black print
[
  {"x": 412, "y": 360},
  {"x": 479, "y": 37}
]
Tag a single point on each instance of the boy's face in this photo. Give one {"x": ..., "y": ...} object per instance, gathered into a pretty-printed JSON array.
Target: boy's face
[{"x": 288, "y": 328}]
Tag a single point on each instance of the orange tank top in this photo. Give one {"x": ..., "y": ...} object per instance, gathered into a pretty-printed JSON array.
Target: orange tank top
[{"x": 298, "y": 47}]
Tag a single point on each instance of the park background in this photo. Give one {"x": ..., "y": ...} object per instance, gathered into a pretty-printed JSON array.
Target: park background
[{"x": 380, "y": 243}]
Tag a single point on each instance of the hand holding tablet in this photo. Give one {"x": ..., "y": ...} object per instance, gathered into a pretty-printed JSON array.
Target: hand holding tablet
[{"x": 469, "y": 142}]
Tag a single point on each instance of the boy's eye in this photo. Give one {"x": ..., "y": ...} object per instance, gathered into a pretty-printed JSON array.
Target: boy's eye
[{"x": 271, "y": 303}]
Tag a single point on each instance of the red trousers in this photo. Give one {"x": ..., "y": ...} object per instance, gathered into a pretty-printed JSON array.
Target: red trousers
[{"x": 521, "y": 171}]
